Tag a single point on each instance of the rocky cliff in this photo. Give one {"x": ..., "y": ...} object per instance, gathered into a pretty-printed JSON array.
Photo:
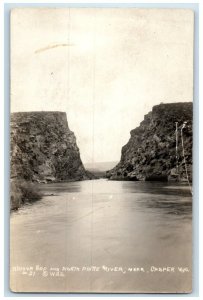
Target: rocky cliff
[
  {"x": 150, "y": 154},
  {"x": 43, "y": 148}
]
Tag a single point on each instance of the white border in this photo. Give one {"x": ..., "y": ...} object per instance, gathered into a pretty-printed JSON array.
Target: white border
[{"x": 2, "y": 137}]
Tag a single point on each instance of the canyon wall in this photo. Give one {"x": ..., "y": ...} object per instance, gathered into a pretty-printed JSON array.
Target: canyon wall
[
  {"x": 43, "y": 148},
  {"x": 150, "y": 153}
]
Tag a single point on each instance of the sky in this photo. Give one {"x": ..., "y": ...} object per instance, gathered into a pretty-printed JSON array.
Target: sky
[{"x": 105, "y": 67}]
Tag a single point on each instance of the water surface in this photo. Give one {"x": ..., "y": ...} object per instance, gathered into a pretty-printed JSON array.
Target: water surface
[{"x": 103, "y": 224}]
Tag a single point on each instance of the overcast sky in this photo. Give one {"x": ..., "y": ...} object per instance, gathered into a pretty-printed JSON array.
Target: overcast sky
[{"x": 105, "y": 67}]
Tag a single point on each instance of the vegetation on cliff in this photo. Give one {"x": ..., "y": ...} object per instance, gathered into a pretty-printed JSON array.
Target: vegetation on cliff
[{"x": 150, "y": 154}]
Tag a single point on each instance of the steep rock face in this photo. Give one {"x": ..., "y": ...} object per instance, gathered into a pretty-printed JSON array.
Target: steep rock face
[
  {"x": 150, "y": 154},
  {"x": 43, "y": 148}
]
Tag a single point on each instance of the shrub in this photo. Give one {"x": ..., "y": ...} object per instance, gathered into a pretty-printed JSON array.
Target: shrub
[{"x": 22, "y": 192}]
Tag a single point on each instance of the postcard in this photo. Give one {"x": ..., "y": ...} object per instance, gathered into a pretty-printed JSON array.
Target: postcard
[{"x": 101, "y": 134}]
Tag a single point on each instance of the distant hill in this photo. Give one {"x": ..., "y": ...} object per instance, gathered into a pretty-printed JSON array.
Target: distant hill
[{"x": 99, "y": 168}]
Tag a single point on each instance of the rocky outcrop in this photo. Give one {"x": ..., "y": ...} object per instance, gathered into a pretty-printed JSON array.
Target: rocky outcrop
[
  {"x": 43, "y": 148},
  {"x": 150, "y": 154}
]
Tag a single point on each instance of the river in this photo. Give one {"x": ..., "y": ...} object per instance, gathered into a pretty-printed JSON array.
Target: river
[{"x": 103, "y": 236}]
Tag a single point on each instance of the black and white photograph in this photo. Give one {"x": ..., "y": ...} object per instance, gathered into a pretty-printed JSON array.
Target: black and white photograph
[{"x": 101, "y": 150}]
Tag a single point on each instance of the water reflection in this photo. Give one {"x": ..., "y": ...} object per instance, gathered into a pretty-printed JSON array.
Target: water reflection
[
  {"x": 166, "y": 188},
  {"x": 178, "y": 207},
  {"x": 60, "y": 187}
]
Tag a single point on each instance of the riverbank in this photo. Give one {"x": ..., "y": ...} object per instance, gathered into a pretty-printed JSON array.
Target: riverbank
[{"x": 22, "y": 192}]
